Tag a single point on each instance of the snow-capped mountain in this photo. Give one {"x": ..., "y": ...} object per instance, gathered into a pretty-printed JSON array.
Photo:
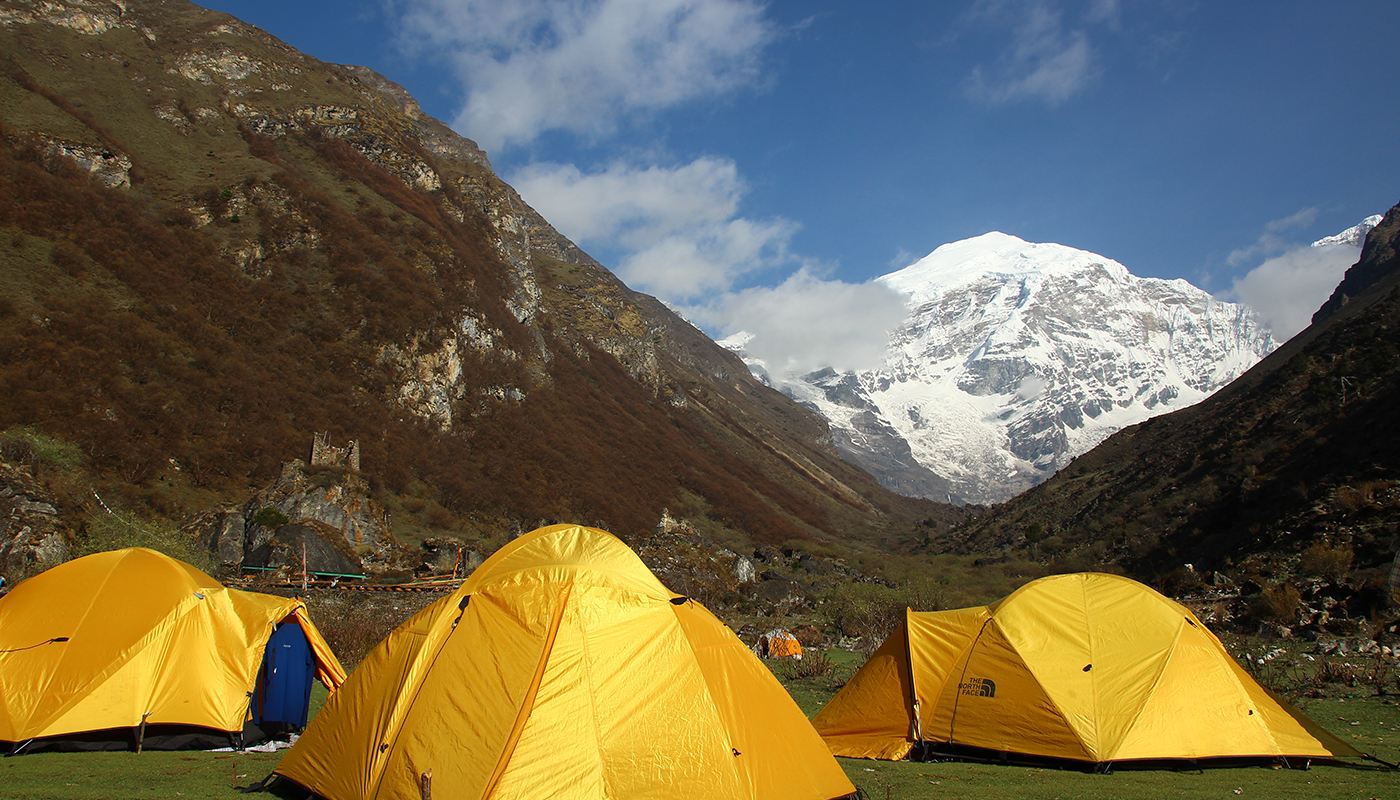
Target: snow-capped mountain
[
  {"x": 1355, "y": 236},
  {"x": 1016, "y": 357}
]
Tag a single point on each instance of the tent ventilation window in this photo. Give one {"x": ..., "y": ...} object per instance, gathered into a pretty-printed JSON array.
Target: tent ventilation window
[{"x": 462, "y": 607}]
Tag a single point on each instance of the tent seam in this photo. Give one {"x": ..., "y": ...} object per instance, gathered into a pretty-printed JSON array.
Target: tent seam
[
  {"x": 593, "y": 705},
  {"x": 527, "y": 704},
  {"x": 380, "y": 764},
  {"x": 740, "y": 776},
  {"x": 1053, "y": 704},
  {"x": 1156, "y": 681},
  {"x": 59, "y": 665},
  {"x": 967, "y": 662},
  {"x": 1093, "y": 678}
]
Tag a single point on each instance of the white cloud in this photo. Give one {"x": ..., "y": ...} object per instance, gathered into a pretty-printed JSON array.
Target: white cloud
[
  {"x": 1270, "y": 242},
  {"x": 679, "y": 227},
  {"x": 1046, "y": 60},
  {"x": 582, "y": 65},
  {"x": 1287, "y": 290},
  {"x": 678, "y": 231},
  {"x": 1106, "y": 11},
  {"x": 806, "y": 323},
  {"x": 684, "y": 240}
]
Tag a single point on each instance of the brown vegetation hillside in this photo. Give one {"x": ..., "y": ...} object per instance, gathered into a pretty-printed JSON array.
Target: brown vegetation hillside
[{"x": 213, "y": 247}]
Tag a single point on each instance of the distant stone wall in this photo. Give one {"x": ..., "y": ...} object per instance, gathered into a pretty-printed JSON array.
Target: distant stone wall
[{"x": 324, "y": 455}]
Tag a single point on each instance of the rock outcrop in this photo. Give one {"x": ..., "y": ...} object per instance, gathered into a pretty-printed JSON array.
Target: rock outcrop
[
  {"x": 33, "y": 536},
  {"x": 321, "y": 514}
]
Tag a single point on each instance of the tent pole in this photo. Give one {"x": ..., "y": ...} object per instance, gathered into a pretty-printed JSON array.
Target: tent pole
[{"x": 141, "y": 732}]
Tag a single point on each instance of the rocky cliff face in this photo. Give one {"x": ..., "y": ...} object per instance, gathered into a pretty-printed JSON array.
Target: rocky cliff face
[
  {"x": 1377, "y": 260},
  {"x": 33, "y": 535},
  {"x": 235, "y": 245},
  {"x": 1016, "y": 357}
]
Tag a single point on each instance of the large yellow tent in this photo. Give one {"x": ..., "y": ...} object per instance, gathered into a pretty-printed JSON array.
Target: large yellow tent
[
  {"x": 130, "y": 646},
  {"x": 1089, "y": 667},
  {"x": 563, "y": 668}
]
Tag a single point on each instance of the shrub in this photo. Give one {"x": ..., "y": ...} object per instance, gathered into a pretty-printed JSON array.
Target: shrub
[
  {"x": 812, "y": 664},
  {"x": 872, "y": 611},
  {"x": 1323, "y": 560},
  {"x": 1366, "y": 494},
  {"x": 114, "y": 531},
  {"x": 271, "y": 518},
  {"x": 866, "y": 610},
  {"x": 1277, "y": 603},
  {"x": 354, "y": 622},
  {"x": 69, "y": 258},
  {"x": 25, "y": 445},
  {"x": 1180, "y": 581}
]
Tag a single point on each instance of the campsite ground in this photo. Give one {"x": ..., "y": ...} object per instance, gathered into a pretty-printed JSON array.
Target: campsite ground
[{"x": 1355, "y": 712}]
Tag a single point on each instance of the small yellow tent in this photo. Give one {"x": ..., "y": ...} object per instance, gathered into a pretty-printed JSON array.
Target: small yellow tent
[
  {"x": 778, "y": 643},
  {"x": 1089, "y": 667},
  {"x": 563, "y": 668},
  {"x": 126, "y": 643}
]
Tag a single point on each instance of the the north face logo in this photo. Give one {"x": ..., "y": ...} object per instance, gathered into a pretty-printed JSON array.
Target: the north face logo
[{"x": 978, "y": 687}]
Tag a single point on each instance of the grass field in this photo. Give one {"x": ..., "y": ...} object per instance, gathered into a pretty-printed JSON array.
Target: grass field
[{"x": 1371, "y": 722}]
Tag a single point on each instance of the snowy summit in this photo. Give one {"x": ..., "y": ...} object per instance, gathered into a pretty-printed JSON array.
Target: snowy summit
[
  {"x": 1355, "y": 236},
  {"x": 1015, "y": 357}
]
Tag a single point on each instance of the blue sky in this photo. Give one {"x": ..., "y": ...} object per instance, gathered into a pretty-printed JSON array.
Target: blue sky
[{"x": 756, "y": 165}]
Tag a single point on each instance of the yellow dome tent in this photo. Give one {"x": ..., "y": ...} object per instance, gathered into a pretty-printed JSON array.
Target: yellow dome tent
[
  {"x": 132, "y": 648},
  {"x": 1088, "y": 667},
  {"x": 563, "y": 668},
  {"x": 778, "y": 643}
]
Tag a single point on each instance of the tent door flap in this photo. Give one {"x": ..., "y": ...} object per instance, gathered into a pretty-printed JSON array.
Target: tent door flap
[{"x": 283, "y": 693}]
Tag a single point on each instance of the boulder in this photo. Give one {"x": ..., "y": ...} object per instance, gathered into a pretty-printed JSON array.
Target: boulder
[{"x": 323, "y": 548}]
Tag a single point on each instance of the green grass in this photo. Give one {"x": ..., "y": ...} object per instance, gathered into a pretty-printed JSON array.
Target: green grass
[
  {"x": 1372, "y": 723},
  {"x": 153, "y": 774},
  {"x": 132, "y": 776},
  {"x": 904, "y": 780}
]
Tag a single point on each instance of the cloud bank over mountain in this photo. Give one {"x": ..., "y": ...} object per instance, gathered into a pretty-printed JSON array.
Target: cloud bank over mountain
[{"x": 1294, "y": 279}]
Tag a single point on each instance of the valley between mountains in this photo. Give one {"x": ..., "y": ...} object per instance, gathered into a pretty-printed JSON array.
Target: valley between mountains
[{"x": 252, "y": 302}]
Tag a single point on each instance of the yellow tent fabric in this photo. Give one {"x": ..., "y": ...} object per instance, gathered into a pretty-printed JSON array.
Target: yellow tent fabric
[
  {"x": 563, "y": 668},
  {"x": 113, "y": 639},
  {"x": 1089, "y": 667},
  {"x": 778, "y": 643}
]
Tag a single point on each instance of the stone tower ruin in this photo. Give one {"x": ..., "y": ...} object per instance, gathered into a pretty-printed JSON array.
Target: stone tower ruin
[{"x": 322, "y": 454}]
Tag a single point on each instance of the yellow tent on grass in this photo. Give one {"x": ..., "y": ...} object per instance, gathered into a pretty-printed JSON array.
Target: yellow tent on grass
[
  {"x": 1088, "y": 667},
  {"x": 563, "y": 668},
  {"x": 777, "y": 643},
  {"x": 132, "y": 648}
]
